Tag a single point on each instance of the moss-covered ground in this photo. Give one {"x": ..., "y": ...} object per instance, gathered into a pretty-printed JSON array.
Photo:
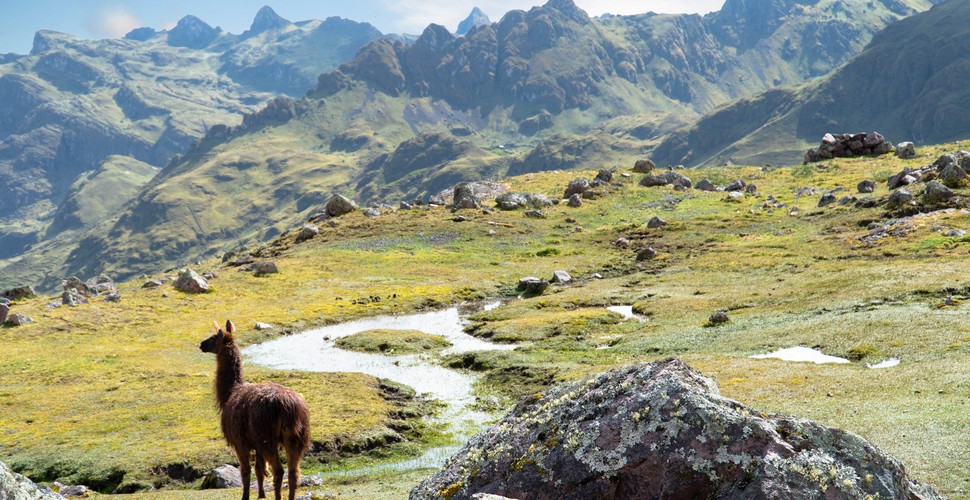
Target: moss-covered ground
[
  {"x": 123, "y": 387},
  {"x": 393, "y": 342}
]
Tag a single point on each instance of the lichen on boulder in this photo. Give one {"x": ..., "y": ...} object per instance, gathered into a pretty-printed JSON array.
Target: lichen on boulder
[{"x": 662, "y": 430}]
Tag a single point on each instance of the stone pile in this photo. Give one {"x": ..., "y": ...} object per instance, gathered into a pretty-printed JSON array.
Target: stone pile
[{"x": 845, "y": 145}]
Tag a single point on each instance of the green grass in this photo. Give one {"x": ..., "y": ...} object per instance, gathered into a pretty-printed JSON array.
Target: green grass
[
  {"x": 392, "y": 342},
  {"x": 111, "y": 387}
]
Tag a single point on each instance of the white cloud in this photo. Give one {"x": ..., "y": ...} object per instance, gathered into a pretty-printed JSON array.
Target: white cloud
[
  {"x": 114, "y": 23},
  {"x": 412, "y": 16}
]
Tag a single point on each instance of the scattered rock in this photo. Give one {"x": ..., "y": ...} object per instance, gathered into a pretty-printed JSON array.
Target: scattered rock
[
  {"x": 735, "y": 185},
  {"x": 210, "y": 275},
  {"x": 515, "y": 201},
  {"x": 4, "y": 311},
  {"x": 112, "y": 297},
  {"x": 718, "y": 318},
  {"x": 751, "y": 189},
  {"x": 17, "y": 319},
  {"x": 622, "y": 242},
  {"x": 405, "y": 206},
  {"x": 222, "y": 477},
  {"x": 827, "y": 199},
  {"x": 532, "y": 285},
  {"x": 646, "y": 254},
  {"x": 339, "y": 205},
  {"x": 952, "y": 175},
  {"x": 460, "y": 218},
  {"x": 561, "y": 277},
  {"x": 189, "y": 281},
  {"x": 656, "y": 222},
  {"x": 70, "y": 491},
  {"x": 307, "y": 232},
  {"x": 264, "y": 268},
  {"x": 845, "y": 145},
  {"x": 464, "y": 196},
  {"x": 152, "y": 284},
  {"x": 535, "y": 214},
  {"x": 662, "y": 427},
  {"x": 866, "y": 186},
  {"x": 955, "y": 233},
  {"x": 603, "y": 177},
  {"x": 73, "y": 298},
  {"x": 436, "y": 200},
  {"x": 577, "y": 186},
  {"x": 575, "y": 201},
  {"x": 16, "y": 487},
  {"x": 263, "y": 326},
  {"x": 705, "y": 185},
  {"x": 899, "y": 198},
  {"x": 906, "y": 150},
  {"x": 372, "y": 212},
  {"x": 673, "y": 178},
  {"x": 735, "y": 196},
  {"x": 936, "y": 193},
  {"x": 643, "y": 166},
  {"x": 20, "y": 293}
]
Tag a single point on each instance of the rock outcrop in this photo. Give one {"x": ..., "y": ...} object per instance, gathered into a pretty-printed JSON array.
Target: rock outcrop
[
  {"x": 15, "y": 487},
  {"x": 846, "y": 145},
  {"x": 662, "y": 427}
]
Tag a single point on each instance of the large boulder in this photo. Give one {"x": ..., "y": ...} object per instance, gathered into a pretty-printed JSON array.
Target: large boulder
[
  {"x": 936, "y": 193},
  {"x": 20, "y": 293},
  {"x": 643, "y": 166},
  {"x": 906, "y": 150},
  {"x": 339, "y": 205},
  {"x": 576, "y": 186},
  {"x": 190, "y": 281},
  {"x": 222, "y": 477},
  {"x": 464, "y": 196},
  {"x": 670, "y": 177},
  {"x": 15, "y": 487},
  {"x": 843, "y": 145},
  {"x": 515, "y": 201},
  {"x": 662, "y": 430}
]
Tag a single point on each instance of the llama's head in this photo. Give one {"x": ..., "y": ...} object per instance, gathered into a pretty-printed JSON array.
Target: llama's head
[{"x": 219, "y": 339}]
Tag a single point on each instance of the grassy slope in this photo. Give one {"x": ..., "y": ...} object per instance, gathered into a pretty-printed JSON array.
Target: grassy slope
[{"x": 803, "y": 280}]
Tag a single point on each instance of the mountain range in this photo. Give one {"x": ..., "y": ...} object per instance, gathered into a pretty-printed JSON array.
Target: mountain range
[{"x": 402, "y": 118}]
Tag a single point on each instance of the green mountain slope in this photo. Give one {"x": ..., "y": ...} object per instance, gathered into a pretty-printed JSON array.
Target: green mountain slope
[
  {"x": 547, "y": 88},
  {"x": 908, "y": 84}
]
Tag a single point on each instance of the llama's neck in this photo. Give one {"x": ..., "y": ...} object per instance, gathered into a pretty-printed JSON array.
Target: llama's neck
[{"x": 229, "y": 373}]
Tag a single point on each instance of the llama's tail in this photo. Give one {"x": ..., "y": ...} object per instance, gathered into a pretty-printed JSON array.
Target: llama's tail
[{"x": 296, "y": 431}]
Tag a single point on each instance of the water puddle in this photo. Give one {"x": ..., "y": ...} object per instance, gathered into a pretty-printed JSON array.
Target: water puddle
[
  {"x": 802, "y": 354},
  {"x": 626, "y": 312},
  {"x": 314, "y": 350},
  {"x": 889, "y": 363}
]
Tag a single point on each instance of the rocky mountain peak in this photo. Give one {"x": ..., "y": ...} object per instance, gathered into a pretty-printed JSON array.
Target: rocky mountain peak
[
  {"x": 141, "y": 34},
  {"x": 192, "y": 32},
  {"x": 475, "y": 19},
  {"x": 266, "y": 20},
  {"x": 45, "y": 40},
  {"x": 745, "y": 22},
  {"x": 569, "y": 9}
]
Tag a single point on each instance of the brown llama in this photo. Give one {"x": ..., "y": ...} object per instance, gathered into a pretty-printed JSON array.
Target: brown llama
[{"x": 258, "y": 418}]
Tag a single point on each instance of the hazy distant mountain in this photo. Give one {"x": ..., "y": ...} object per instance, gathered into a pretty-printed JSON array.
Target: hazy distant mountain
[
  {"x": 908, "y": 84},
  {"x": 475, "y": 19}
]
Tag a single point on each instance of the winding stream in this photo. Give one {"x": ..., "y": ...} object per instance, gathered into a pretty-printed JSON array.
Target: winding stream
[{"x": 314, "y": 350}]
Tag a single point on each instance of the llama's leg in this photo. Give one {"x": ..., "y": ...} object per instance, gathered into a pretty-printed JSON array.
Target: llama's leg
[
  {"x": 274, "y": 462},
  {"x": 243, "y": 457},
  {"x": 260, "y": 472},
  {"x": 293, "y": 457}
]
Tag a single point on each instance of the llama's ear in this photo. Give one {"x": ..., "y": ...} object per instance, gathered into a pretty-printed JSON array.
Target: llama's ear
[
  {"x": 218, "y": 329},
  {"x": 231, "y": 328}
]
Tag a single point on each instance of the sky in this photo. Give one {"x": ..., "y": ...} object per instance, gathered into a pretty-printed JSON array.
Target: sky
[{"x": 96, "y": 19}]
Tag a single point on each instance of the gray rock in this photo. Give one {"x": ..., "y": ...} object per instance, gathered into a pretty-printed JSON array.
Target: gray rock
[
  {"x": 535, "y": 214},
  {"x": 13, "y": 486},
  {"x": 646, "y": 254},
  {"x": 405, "y": 206},
  {"x": 112, "y": 297},
  {"x": 576, "y": 186},
  {"x": 827, "y": 199},
  {"x": 866, "y": 186},
  {"x": 705, "y": 185},
  {"x": 735, "y": 185},
  {"x": 152, "y": 284},
  {"x": 307, "y": 232},
  {"x": 936, "y": 193},
  {"x": 464, "y": 196},
  {"x": 643, "y": 166},
  {"x": 339, "y": 205},
  {"x": 372, "y": 212},
  {"x": 906, "y": 150},
  {"x": 19, "y": 319},
  {"x": 955, "y": 233},
  {"x": 899, "y": 198},
  {"x": 4, "y": 300},
  {"x": 264, "y": 268},
  {"x": 189, "y": 281},
  {"x": 656, "y": 222},
  {"x": 622, "y": 242},
  {"x": 70, "y": 491},
  {"x": 515, "y": 201},
  {"x": 532, "y": 285},
  {"x": 4, "y": 311},
  {"x": 734, "y": 196},
  {"x": 436, "y": 200},
  {"x": 636, "y": 431},
  {"x": 561, "y": 277},
  {"x": 20, "y": 293},
  {"x": 604, "y": 176},
  {"x": 718, "y": 318},
  {"x": 222, "y": 477},
  {"x": 263, "y": 326},
  {"x": 945, "y": 160},
  {"x": 488, "y": 496},
  {"x": 575, "y": 201},
  {"x": 751, "y": 189},
  {"x": 72, "y": 297},
  {"x": 952, "y": 175},
  {"x": 673, "y": 178}
]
